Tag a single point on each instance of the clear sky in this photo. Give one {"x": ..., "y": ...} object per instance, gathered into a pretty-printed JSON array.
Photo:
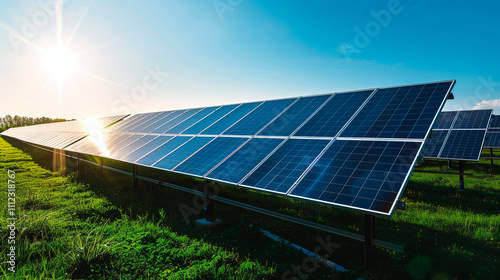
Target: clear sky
[{"x": 100, "y": 58}]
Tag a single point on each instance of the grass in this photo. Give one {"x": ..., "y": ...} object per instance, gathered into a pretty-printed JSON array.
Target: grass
[{"x": 93, "y": 225}]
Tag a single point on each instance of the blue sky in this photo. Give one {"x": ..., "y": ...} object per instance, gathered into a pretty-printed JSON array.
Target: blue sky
[{"x": 132, "y": 56}]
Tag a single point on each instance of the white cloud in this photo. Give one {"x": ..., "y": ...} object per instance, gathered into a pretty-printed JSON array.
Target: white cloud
[{"x": 488, "y": 104}]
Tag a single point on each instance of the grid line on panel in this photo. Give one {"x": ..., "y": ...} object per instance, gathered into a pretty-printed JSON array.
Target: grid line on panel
[
  {"x": 181, "y": 153},
  {"x": 206, "y": 122},
  {"x": 226, "y": 122},
  {"x": 153, "y": 121},
  {"x": 291, "y": 119},
  {"x": 278, "y": 115},
  {"x": 181, "y": 126},
  {"x": 163, "y": 150}
]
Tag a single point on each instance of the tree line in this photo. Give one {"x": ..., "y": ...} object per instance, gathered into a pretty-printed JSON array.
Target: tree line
[{"x": 15, "y": 121}]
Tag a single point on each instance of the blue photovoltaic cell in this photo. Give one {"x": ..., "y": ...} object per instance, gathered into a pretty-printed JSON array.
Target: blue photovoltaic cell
[
  {"x": 259, "y": 117},
  {"x": 151, "y": 128},
  {"x": 280, "y": 171},
  {"x": 137, "y": 122},
  {"x": 472, "y": 119},
  {"x": 129, "y": 121},
  {"x": 210, "y": 119},
  {"x": 433, "y": 143},
  {"x": 148, "y": 147},
  {"x": 210, "y": 155},
  {"x": 182, "y": 153},
  {"x": 363, "y": 174},
  {"x": 400, "y": 112},
  {"x": 463, "y": 144},
  {"x": 495, "y": 122},
  {"x": 151, "y": 121},
  {"x": 492, "y": 140},
  {"x": 113, "y": 148},
  {"x": 163, "y": 150},
  {"x": 334, "y": 115},
  {"x": 445, "y": 120},
  {"x": 244, "y": 160},
  {"x": 187, "y": 123},
  {"x": 228, "y": 120},
  {"x": 294, "y": 116},
  {"x": 165, "y": 127},
  {"x": 133, "y": 145}
]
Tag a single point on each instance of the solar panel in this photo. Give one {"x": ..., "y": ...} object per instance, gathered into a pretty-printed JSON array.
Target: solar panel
[
  {"x": 293, "y": 117},
  {"x": 401, "y": 112},
  {"x": 239, "y": 164},
  {"x": 359, "y": 174},
  {"x": 288, "y": 146},
  {"x": 495, "y": 122},
  {"x": 463, "y": 140},
  {"x": 280, "y": 171},
  {"x": 205, "y": 159},
  {"x": 445, "y": 120},
  {"x": 492, "y": 140},
  {"x": 329, "y": 120},
  {"x": 181, "y": 153},
  {"x": 472, "y": 119},
  {"x": 463, "y": 144},
  {"x": 258, "y": 118}
]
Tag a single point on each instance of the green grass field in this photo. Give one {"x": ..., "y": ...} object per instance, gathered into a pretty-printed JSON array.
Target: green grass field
[{"x": 94, "y": 225}]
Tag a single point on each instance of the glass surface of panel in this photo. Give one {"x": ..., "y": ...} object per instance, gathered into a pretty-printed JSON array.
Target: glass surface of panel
[
  {"x": 162, "y": 124},
  {"x": 400, "y": 112},
  {"x": 210, "y": 119},
  {"x": 151, "y": 121},
  {"x": 231, "y": 118},
  {"x": 280, "y": 171},
  {"x": 258, "y": 118},
  {"x": 445, "y": 120},
  {"x": 134, "y": 143},
  {"x": 182, "y": 153},
  {"x": 146, "y": 149},
  {"x": 434, "y": 143},
  {"x": 495, "y": 122},
  {"x": 472, "y": 119},
  {"x": 463, "y": 144},
  {"x": 238, "y": 165},
  {"x": 328, "y": 121},
  {"x": 492, "y": 140},
  {"x": 192, "y": 120},
  {"x": 210, "y": 155},
  {"x": 367, "y": 175},
  {"x": 163, "y": 150},
  {"x": 167, "y": 126},
  {"x": 294, "y": 116}
]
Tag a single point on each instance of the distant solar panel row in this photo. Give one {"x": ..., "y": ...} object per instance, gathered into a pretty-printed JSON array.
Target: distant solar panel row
[
  {"x": 61, "y": 134},
  {"x": 353, "y": 149},
  {"x": 492, "y": 139},
  {"x": 458, "y": 135}
]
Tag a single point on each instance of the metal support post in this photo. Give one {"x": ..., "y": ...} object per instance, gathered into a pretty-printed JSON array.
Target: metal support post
[
  {"x": 135, "y": 181},
  {"x": 369, "y": 236},
  {"x": 461, "y": 167}
]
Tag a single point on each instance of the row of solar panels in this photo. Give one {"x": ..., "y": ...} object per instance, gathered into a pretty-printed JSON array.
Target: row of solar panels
[
  {"x": 458, "y": 135},
  {"x": 353, "y": 150}
]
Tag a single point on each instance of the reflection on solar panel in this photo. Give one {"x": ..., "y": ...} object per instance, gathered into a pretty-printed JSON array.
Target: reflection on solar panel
[
  {"x": 458, "y": 135},
  {"x": 354, "y": 149},
  {"x": 60, "y": 135}
]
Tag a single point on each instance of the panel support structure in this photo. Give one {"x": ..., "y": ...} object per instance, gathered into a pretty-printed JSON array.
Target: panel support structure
[
  {"x": 491, "y": 160},
  {"x": 209, "y": 206},
  {"x": 369, "y": 254},
  {"x": 101, "y": 165},
  {"x": 135, "y": 181},
  {"x": 461, "y": 167}
]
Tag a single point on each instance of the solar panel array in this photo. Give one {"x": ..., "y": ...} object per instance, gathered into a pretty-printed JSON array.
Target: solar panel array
[
  {"x": 61, "y": 134},
  {"x": 492, "y": 139},
  {"x": 458, "y": 135},
  {"x": 352, "y": 150}
]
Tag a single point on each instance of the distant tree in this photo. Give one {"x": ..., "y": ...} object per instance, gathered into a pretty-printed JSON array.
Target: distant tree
[{"x": 8, "y": 121}]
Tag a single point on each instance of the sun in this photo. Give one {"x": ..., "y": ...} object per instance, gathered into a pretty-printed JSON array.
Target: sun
[{"x": 59, "y": 61}]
